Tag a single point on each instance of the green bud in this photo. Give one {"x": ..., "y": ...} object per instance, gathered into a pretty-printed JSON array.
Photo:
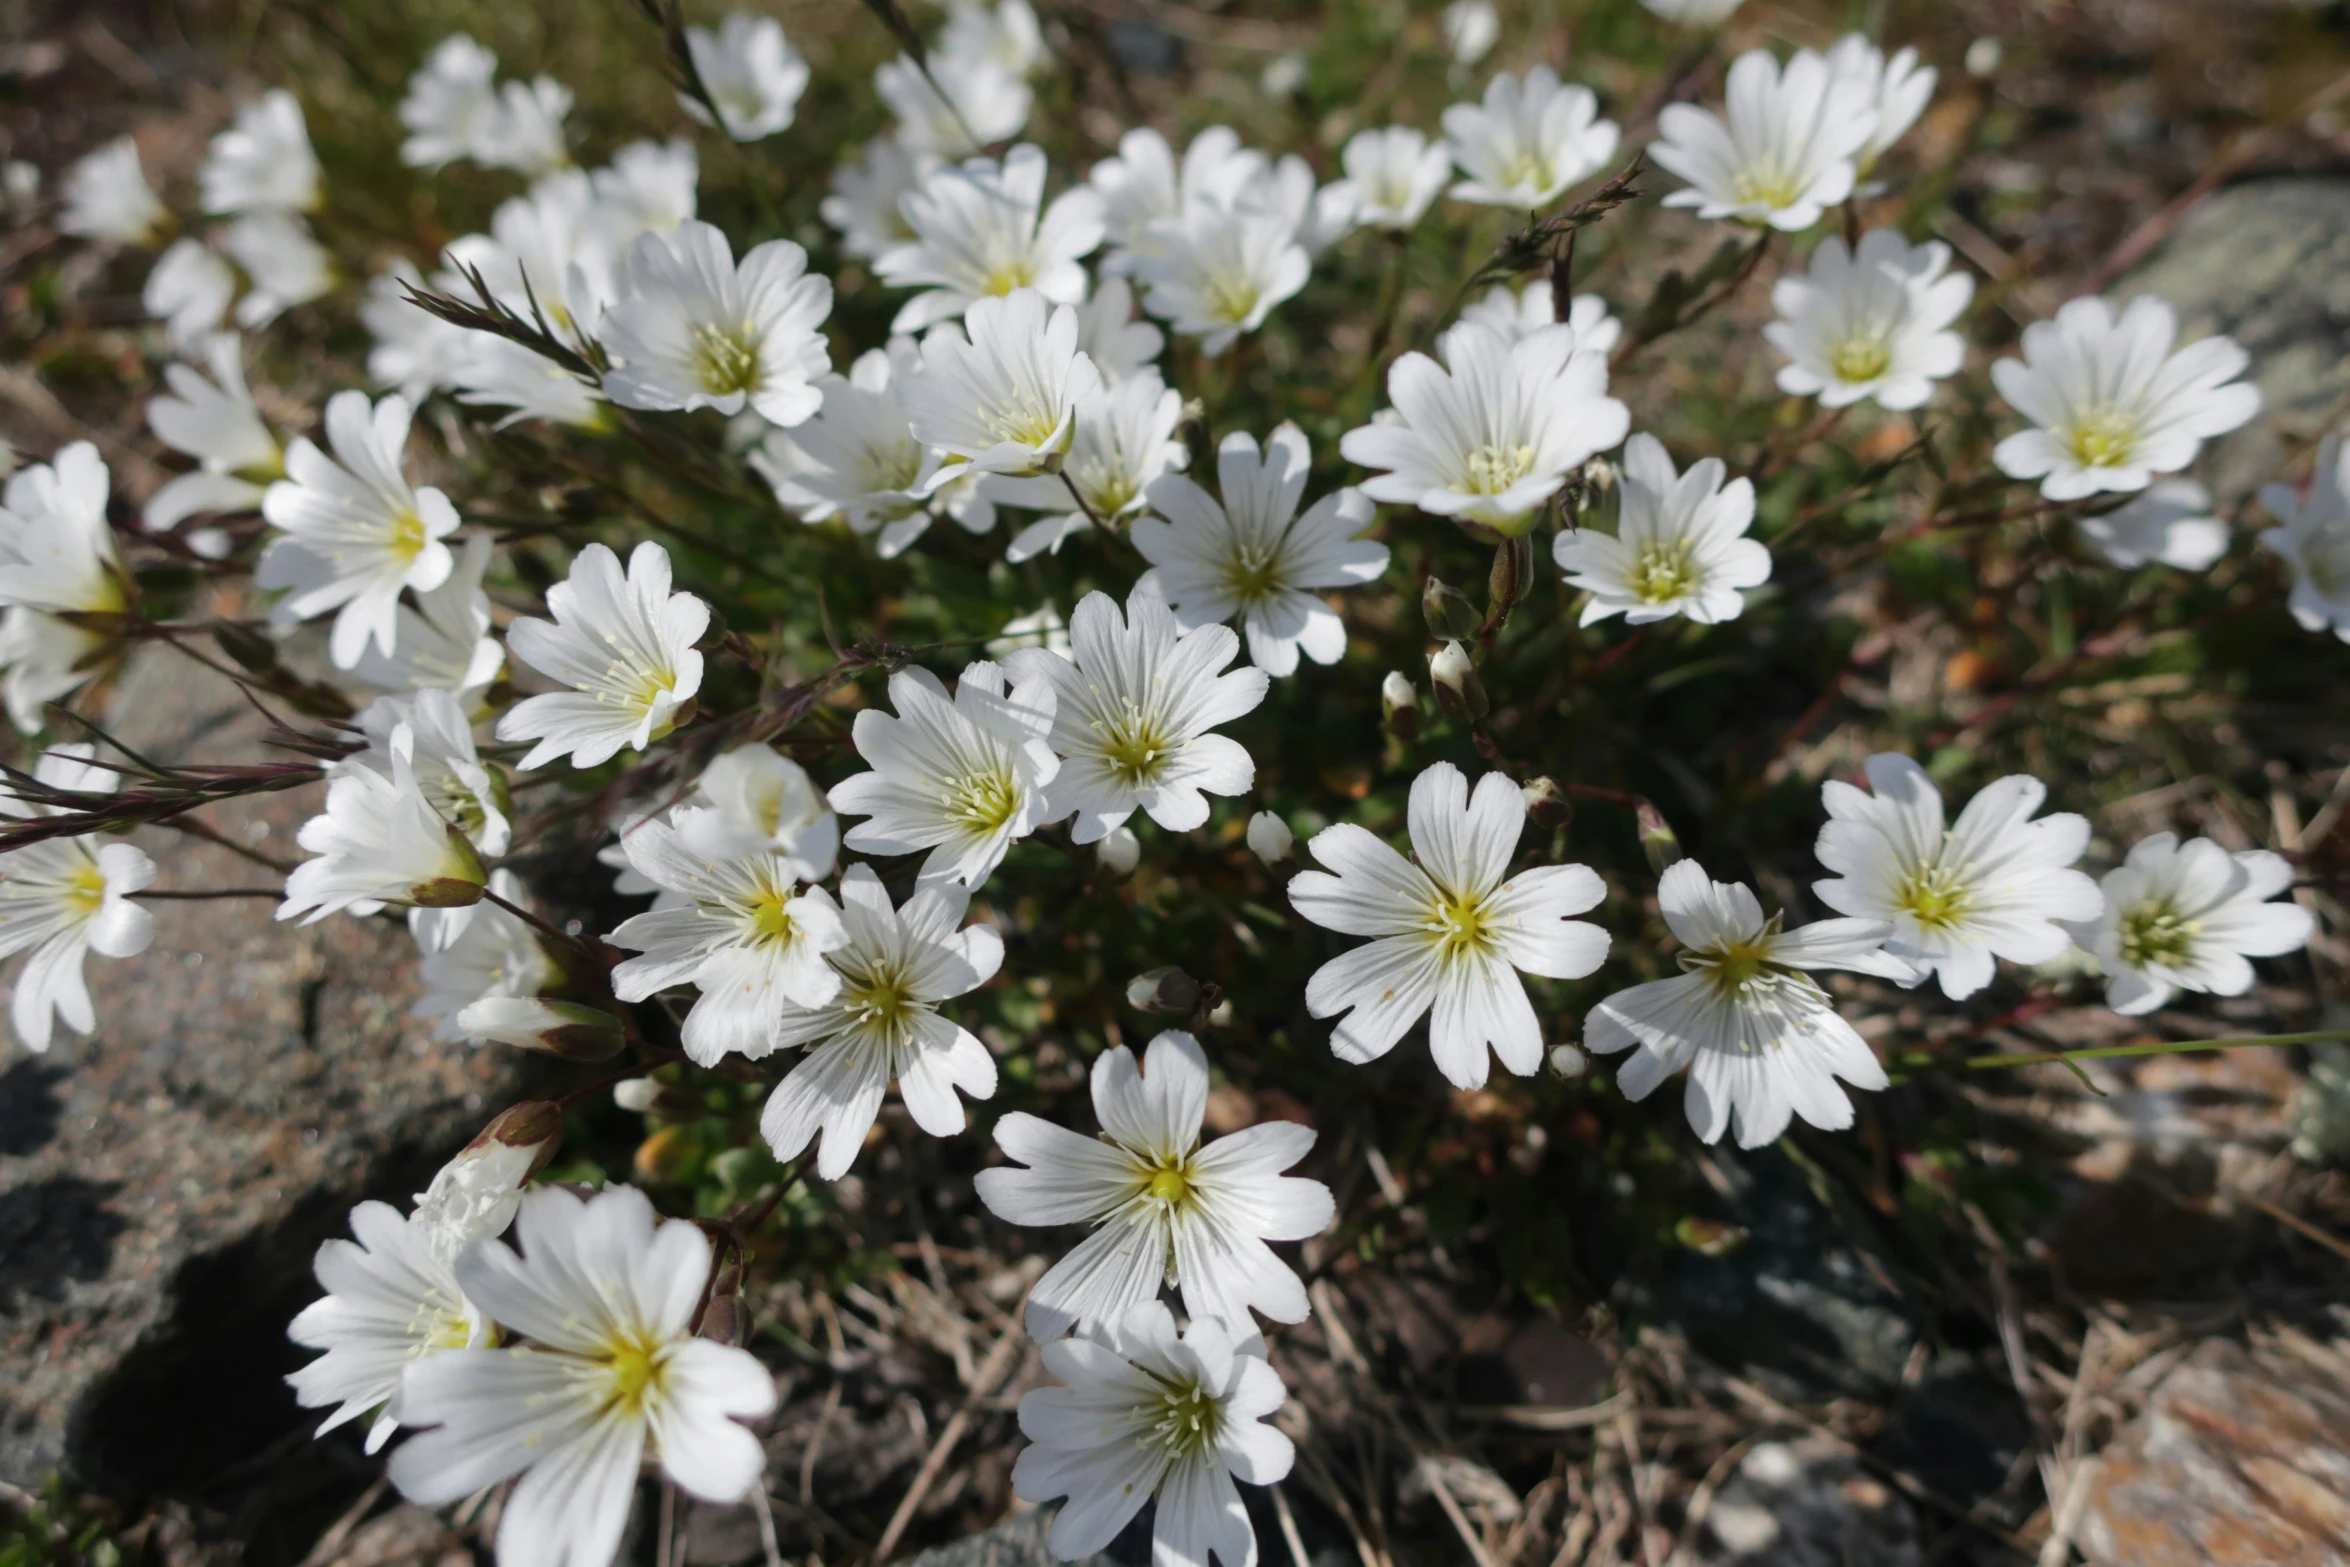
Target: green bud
[{"x": 1449, "y": 613}]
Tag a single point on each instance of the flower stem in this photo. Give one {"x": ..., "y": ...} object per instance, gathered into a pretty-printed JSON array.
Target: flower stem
[{"x": 2158, "y": 1047}]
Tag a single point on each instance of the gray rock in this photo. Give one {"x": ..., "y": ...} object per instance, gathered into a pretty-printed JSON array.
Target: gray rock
[
  {"x": 2268, "y": 263},
  {"x": 1808, "y": 1504},
  {"x": 164, "y": 1182},
  {"x": 1018, "y": 1541}
]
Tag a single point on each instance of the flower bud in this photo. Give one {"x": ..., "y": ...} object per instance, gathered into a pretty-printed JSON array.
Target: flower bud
[
  {"x": 1657, "y": 839},
  {"x": 1512, "y": 576},
  {"x": 1459, "y": 693},
  {"x": 662, "y": 1101},
  {"x": 1450, "y": 614},
  {"x": 460, "y": 882},
  {"x": 1569, "y": 1061},
  {"x": 1547, "y": 804},
  {"x": 535, "y": 1125},
  {"x": 558, "y": 1028},
  {"x": 1399, "y": 705},
  {"x": 476, "y": 1194},
  {"x": 1269, "y": 837},
  {"x": 1118, "y": 853},
  {"x": 1164, "y": 992}
]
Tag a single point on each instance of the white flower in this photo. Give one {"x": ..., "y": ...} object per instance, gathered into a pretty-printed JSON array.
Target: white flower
[
  {"x": 625, "y": 647},
  {"x": 494, "y": 953},
  {"x": 1995, "y": 884},
  {"x": 1492, "y": 433},
  {"x": 1873, "y": 324},
  {"x": 1453, "y": 935},
  {"x": 444, "y": 641},
  {"x": 693, "y": 330},
  {"x": 1008, "y": 36},
  {"x": 1471, "y": 29},
  {"x": 984, "y": 103},
  {"x": 1118, "y": 852},
  {"x": 1142, "y": 186},
  {"x": 381, "y": 841},
  {"x": 64, "y": 898},
  {"x": 107, "y": 197},
  {"x": 962, "y": 776},
  {"x": 442, "y": 759},
  {"x": 613, "y": 1375},
  {"x": 1043, "y": 629},
  {"x": 1125, "y": 441},
  {"x": 526, "y": 134},
  {"x": 898, "y": 964},
  {"x": 57, "y": 552},
  {"x": 1147, "y": 1412},
  {"x": 1107, "y": 332},
  {"x": 45, "y": 658},
  {"x": 741, "y": 933},
  {"x": 215, "y": 422},
  {"x": 390, "y": 1303},
  {"x": 1252, "y": 557},
  {"x": 2315, "y": 540},
  {"x": 650, "y": 187},
  {"x": 1393, "y": 176},
  {"x": 1319, "y": 217},
  {"x": 977, "y": 233},
  {"x": 2186, "y": 916},
  {"x": 262, "y": 163},
  {"x": 1164, "y": 1207},
  {"x": 1531, "y": 309},
  {"x": 1004, "y": 399},
  {"x": 857, "y": 459},
  {"x": 1783, "y": 150},
  {"x": 353, "y": 531},
  {"x": 1214, "y": 273},
  {"x": 283, "y": 263},
  {"x": 552, "y": 250},
  {"x": 1269, "y": 837},
  {"x": 476, "y": 1195},
  {"x": 751, "y": 73},
  {"x": 767, "y": 802},
  {"x": 1694, "y": 13},
  {"x": 1680, "y": 546},
  {"x": 1761, "y": 1039},
  {"x": 1134, "y": 709},
  {"x": 2114, "y": 405},
  {"x": 1528, "y": 142},
  {"x": 188, "y": 290},
  {"x": 415, "y": 353},
  {"x": 496, "y": 372},
  {"x": 1899, "y": 89},
  {"x": 863, "y": 205},
  {"x": 451, "y": 109},
  {"x": 2171, "y": 521}
]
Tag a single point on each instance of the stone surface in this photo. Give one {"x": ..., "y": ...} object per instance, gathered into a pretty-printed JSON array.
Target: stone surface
[
  {"x": 164, "y": 1182},
  {"x": 2239, "y": 1460},
  {"x": 2268, "y": 263},
  {"x": 1019, "y": 1541},
  {"x": 1808, "y": 1504}
]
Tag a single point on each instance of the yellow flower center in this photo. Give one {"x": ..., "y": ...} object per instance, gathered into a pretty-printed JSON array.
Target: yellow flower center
[
  {"x": 2103, "y": 440},
  {"x": 2156, "y": 934},
  {"x": 882, "y": 1001},
  {"x": 635, "y": 1371},
  {"x": 1663, "y": 572},
  {"x": 892, "y": 467},
  {"x": 1252, "y": 572},
  {"x": 1461, "y": 925},
  {"x": 1767, "y": 188},
  {"x": 408, "y": 539},
  {"x": 771, "y": 922},
  {"x": 1859, "y": 359},
  {"x": 983, "y": 802},
  {"x": 1134, "y": 745},
  {"x": 725, "y": 361},
  {"x": 1494, "y": 467},
  {"x": 1935, "y": 896},
  {"x": 1231, "y": 300},
  {"x": 1187, "y": 1419},
  {"x": 85, "y": 890},
  {"x": 1023, "y": 419},
  {"x": 1526, "y": 169},
  {"x": 1006, "y": 276}
]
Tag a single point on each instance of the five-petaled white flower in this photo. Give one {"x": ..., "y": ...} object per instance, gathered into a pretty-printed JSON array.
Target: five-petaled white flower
[
  {"x": 613, "y": 1374},
  {"x": 64, "y": 898},
  {"x": 451, "y": 107},
  {"x": 1873, "y": 323},
  {"x": 2114, "y": 405},
  {"x": 857, "y": 459},
  {"x": 1898, "y": 87},
  {"x": 1143, "y": 185},
  {"x": 526, "y": 134},
  {"x": 1136, "y": 702},
  {"x": 1452, "y": 934},
  {"x": 1680, "y": 545},
  {"x": 188, "y": 290},
  {"x": 1216, "y": 272},
  {"x": 1165, "y": 1206},
  {"x": 1490, "y": 434},
  {"x": 2315, "y": 540},
  {"x": 1761, "y": 1039},
  {"x": 694, "y": 330},
  {"x": 1004, "y": 398},
  {"x": 625, "y": 646},
  {"x": 1471, "y": 29},
  {"x": 1143, "y": 1412},
  {"x": 1536, "y": 306},
  {"x": 1125, "y": 440},
  {"x": 494, "y": 954},
  {"x": 1009, "y": 35},
  {"x": 215, "y": 422},
  {"x": 58, "y": 568},
  {"x": 353, "y": 531},
  {"x": 447, "y": 768},
  {"x": 263, "y": 162},
  {"x": 962, "y": 776},
  {"x": 381, "y": 841},
  {"x": 107, "y": 197},
  {"x": 444, "y": 641},
  {"x": 863, "y": 205},
  {"x": 982, "y": 103},
  {"x": 1253, "y": 557},
  {"x": 978, "y": 235},
  {"x": 392, "y": 1301},
  {"x": 1528, "y": 141},
  {"x": 1783, "y": 150},
  {"x": 2186, "y": 916},
  {"x": 751, "y": 72},
  {"x": 1994, "y": 884},
  {"x": 767, "y": 801},
  {"x": 2170, "y": 521},
  {"x": 1119, "y": 345},
  {"x": 1393, "y": 176},
  {"x": 283, "y": 263},
  {"x": 883, "y": 1025},
  {"x": 740, "y": 931},
  {"x": 649, "y": 187}
]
